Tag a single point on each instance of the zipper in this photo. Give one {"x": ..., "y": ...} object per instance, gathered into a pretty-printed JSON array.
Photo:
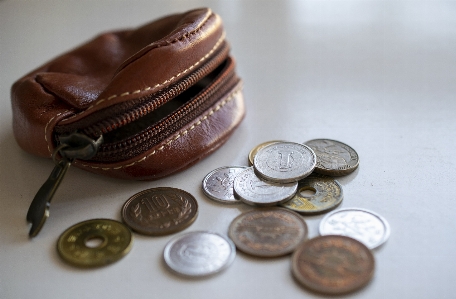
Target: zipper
[{"x": 142, "y": 141}]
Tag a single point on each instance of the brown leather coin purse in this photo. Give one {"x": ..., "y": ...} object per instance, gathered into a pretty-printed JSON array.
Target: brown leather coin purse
[{"x": 134, "y": 104}]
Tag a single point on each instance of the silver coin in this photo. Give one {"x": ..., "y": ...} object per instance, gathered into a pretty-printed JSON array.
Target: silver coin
[
  {"x": 255, "y": 150},
  {"x": 218, "y": 184},
  {"x": 363, "y": 225},
  {"x": 334, "y": 157},
  {"x": 284, "y": 162},
  {"x": 200, "y": 253},
  {"x": 328, "y": 195},
  {"x": 254, "y": 191}
]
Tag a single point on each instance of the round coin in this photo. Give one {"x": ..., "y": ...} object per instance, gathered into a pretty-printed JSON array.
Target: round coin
[
  {"x": 218, "y": 184},
  {"x": 94, "y": 243},
  {"x": 363, "y": 225},
  {"x": 328, "y": 195},
  {"x": 255, "y": 150},
  {"x": 254, "y": 191},
  {"x": 160, "y": 211},
  {"x": 333, "y": 264},
  {"x": 199, "y": 254},
  {"x": 284, "y": 162},
  {"x": 334, "y": 157},
  {"x": 268, "y": 232}
]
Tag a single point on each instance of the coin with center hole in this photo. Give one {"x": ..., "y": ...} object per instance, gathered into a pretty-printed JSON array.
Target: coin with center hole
[
  {"x": 333, "y": 264},
  {"x": 334, "y": 158},
  {"x": 284, "y": 162},
  {"x": 366, "y": 226},
  {"x": 254, "y": 191},
  {"x": 199, "y": 253},
  {"x": 160, "y": 211},
  {"x": 268, "y": 232},
  {"x": 94, "y": 243},
  {"x": 218, "y": 184},
  {"x": 328, "y": 195}
]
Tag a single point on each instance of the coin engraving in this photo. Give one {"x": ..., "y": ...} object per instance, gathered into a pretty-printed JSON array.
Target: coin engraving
[
  {"x": 328, "y": 195},
  {"x": 160, "y": 211},
  {"x": 268, "y": 232},
  {"x": 284, "y": 162},
  {"x": 333, "y": 264},
  {"x": 365, "y": 226},
  {"x": 218, "y": 184},
  {"x": 255, "y": 150},
  {"x": 115, "y": 242},
  {"x": 255, "y": 191},
  {"x": 334, "y": 157},
  {"x": 199, "y": 253}
]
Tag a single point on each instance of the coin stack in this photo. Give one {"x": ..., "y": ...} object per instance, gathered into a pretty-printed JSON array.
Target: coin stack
[{"x": 340, "y": 259}]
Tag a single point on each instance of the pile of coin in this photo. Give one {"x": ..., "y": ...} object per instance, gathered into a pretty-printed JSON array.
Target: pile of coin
[
  {"x": 279, "y": 172},
  {"x": 340, "y": 260}
]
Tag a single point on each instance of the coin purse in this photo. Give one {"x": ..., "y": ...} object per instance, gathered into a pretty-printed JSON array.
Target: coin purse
[{"x": 134, "y": 104}]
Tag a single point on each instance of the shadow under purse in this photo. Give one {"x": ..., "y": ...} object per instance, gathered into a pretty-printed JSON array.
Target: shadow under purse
[{"x": 134, "y": 104}]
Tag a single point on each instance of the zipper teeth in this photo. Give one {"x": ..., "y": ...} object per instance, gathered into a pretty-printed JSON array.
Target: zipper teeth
[
  {"x": 150, "y": 103},
  {"x": 169, "y": 125}
]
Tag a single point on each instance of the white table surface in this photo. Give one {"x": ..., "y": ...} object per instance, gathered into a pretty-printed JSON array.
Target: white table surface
[{"x": 377, "y": 75}]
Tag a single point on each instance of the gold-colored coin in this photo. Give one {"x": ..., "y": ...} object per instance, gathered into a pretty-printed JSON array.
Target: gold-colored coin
[
  {"x": 160, "y": 211},
  {"x": 328, "y": 195},
  {"x": 255, "y": 150},
  {"x": 95, "y": 243}
]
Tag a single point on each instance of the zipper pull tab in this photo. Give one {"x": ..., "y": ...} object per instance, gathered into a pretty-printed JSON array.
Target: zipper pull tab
[
  {"x": 39, "y": 209},
  {"x": 73, "y": 146}
]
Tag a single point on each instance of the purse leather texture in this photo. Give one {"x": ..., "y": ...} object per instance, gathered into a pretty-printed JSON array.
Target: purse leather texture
[{"x": 120, "y": 66}]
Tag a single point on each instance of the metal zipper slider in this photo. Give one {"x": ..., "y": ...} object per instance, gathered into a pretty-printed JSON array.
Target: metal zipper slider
[{"x": 73, "y": 146}]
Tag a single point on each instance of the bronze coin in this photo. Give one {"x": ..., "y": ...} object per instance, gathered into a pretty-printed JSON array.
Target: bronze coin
[
  {"x": 160, "y": 211},
  {"x": 268, "y": 232},
  {"x": 333, "y": 264}
]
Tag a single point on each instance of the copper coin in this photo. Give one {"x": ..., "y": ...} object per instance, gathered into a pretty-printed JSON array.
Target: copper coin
[
  {"x": 268, "y": 232},
  {"x": 160, "y": 211},
  {"x": 333, "y": 264}
]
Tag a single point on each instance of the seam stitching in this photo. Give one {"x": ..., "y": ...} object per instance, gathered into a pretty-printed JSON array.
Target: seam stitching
[
  {"x": 175, "y": 137},
  {"x": 147, "y": 88}
]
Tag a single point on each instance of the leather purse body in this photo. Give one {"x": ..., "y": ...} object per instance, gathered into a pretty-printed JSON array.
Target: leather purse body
[{"x": 150, "y": 101}]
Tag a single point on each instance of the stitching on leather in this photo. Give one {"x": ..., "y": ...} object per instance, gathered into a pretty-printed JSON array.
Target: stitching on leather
[
  {"x": 45, "y": 130},
  {"x": 217, "y": 44},
  {"x": 175, "y": 137}
]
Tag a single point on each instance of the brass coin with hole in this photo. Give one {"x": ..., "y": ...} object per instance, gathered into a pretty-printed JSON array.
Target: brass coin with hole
[
  {"x": 316, "y": 194},
  {"x": 95, "y": 243}
]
